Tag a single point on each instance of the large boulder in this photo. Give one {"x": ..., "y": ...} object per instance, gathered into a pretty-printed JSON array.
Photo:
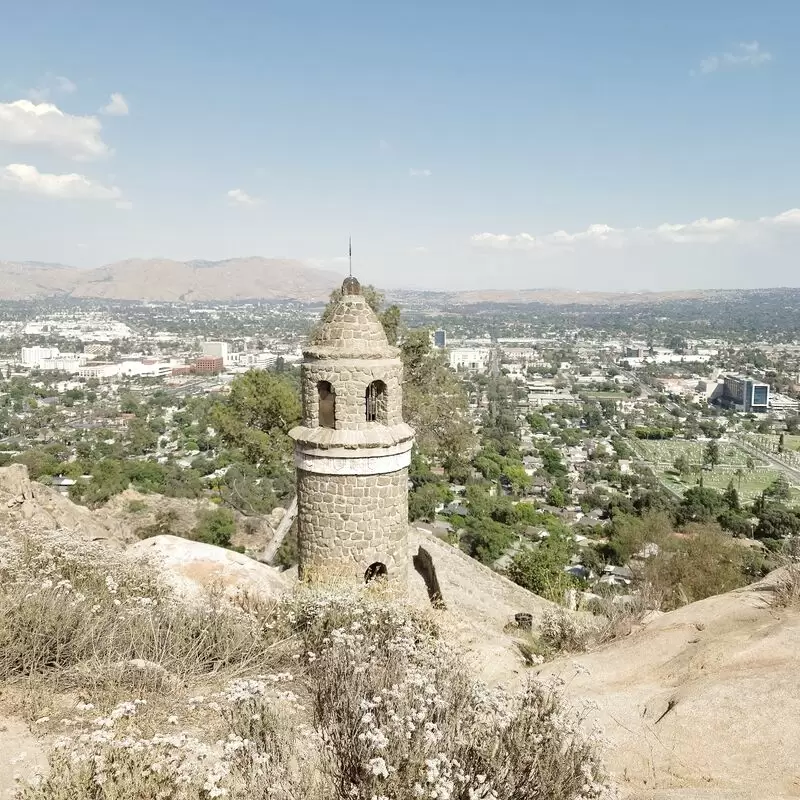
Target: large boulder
[
  {"x": 193, "y": 568},
  {"x": 24, "y": 500},
  {"x": 15, "y": 485},
  {"x": 702, "y": 702}
]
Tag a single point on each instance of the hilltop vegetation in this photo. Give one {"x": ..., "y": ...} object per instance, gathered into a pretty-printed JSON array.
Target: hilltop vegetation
[{"x": 322, "y": 694}]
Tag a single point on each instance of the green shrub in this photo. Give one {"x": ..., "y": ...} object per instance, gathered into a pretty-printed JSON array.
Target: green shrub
[{"x": 215, "y": 527}]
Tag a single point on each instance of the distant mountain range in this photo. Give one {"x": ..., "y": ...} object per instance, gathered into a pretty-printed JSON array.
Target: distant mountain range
[
  {"x": 163, "y": 280},
  {"x": 256, "y": 278}
]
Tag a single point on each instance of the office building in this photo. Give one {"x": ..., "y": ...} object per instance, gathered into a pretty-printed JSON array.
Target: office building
[
  {"x": 745, "y": 394},
  {"x": 208, "y": 365},
  {"x": 216, "y": 350}
]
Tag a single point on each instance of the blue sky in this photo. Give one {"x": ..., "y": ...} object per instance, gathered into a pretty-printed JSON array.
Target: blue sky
[{"x": 622, "y": 145}]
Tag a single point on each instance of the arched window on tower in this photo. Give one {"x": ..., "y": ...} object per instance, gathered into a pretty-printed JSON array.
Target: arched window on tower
[
  {"x": 327, "y": 405},
  {"x": 375, "y": 401}
]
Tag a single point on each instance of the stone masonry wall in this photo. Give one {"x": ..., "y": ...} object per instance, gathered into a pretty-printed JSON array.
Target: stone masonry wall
[
  {"x": 347, "y": 522},
  {"x": 349, "y": 380}
]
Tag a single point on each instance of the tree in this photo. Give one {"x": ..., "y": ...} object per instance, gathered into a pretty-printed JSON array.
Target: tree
[
  {"x": 242, "y": 489},
  {"x": 779, "y": 488},
  {"x": 40, "y": 463},
  {"x": 540, "y": 569},
  {"x": 142, "y": 439},
  {"x": 711, "y": 455},
  {"x": 257, "y": 415},
  {"x": 775, "y": 522},
  {"x": 390, "y": 319},
  {"x": 739, "y": 475},
  {"x": 556, "y": 497},
  {"x": 629, "y": 534},
  {"x": 108, "y": 479},
  {"x": 682, "y": 465},
  {"x": 518, "y": 479},
  {"x": 215, "y": 527},
  {"x": 731, "y": 497},
  {"x": 750, "y": 463},
  {"x": 704, "y": 563},
  {"x": 479, "y": 502},
  {"x": 538, "y": 422},
  {"x": 440, "y": 418},
  {"x": 699, "y": 505},
  {"x": 485, "y": 539},
  {"x": 552, "y": 463},
  {"x": 422, "y": 502}
]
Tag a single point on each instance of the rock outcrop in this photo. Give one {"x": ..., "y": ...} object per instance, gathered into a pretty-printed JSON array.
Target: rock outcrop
[
  {"x": 24, "y": 500},
  {"x": 192, "y": 567},
  {"x": 703, "y": 702}
]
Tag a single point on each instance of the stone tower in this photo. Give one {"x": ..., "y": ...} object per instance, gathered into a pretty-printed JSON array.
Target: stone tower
[{"x": 352, "y": 449}]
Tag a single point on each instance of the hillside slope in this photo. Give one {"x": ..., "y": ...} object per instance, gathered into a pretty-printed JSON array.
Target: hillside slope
[
  {"x": 164, "y": 280},
  {"x": 200, "y": 281},
  {"x": 702, "y": 702}
]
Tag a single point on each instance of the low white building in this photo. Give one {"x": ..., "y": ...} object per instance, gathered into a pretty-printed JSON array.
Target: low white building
[
  {"x": 103, "y": 371},
  {"x": 33, "y": 356},
  {"x": 782, "y": 402},
  {"x": 473, "y": 359},
  {"x": 145, "y": 368},
  {"x": 65, "y": 362}
]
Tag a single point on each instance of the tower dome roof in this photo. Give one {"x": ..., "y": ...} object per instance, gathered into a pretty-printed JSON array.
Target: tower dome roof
[{"x": 351, "y": 329}]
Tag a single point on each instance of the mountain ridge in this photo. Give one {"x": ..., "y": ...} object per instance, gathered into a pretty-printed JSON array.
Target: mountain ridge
[
  {"x": 169, "y": 280},
  {"x": 258, "y": 278}
]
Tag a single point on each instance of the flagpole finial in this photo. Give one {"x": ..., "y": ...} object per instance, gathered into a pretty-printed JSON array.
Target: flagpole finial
[{"x": 350, "y": 253}]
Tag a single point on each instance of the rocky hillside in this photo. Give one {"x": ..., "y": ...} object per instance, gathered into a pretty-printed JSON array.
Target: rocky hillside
[
  {"x": 120, "y": 521},
  {"x": 703, "y": 702},
  {"x": 164, "y": 280}
]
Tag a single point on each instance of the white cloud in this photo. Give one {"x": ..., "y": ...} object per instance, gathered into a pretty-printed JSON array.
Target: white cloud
[
  {"x": 117, "y": 106},
  {"x": 421, "y": 250},
  {"x": 748, "y": 54},
  {"x": 49, "y": 84},
  {"x": 419, "y": 173},
  {"x": 789, "y": 217},
  {"x": 558, "y": 239},
  {"x": 64, "y": 84},
  {"x": 44, "y": 124},
  {"x": 699, "y": 231},
  {"x": 237, "y": 197},
  {"x": 27, "y": 179}
]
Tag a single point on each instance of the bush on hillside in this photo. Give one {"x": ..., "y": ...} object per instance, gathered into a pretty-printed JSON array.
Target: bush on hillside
[
  {"x": 392, "y": 710},
  {"x": 65, "y": 605},
  {"x": 215, "y": 527}
]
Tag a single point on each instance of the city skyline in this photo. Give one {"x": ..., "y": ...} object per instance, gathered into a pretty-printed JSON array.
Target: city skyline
[{"x": 461, "y": 147}]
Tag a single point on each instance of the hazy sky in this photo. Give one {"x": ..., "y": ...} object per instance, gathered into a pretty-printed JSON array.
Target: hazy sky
[{"x": 462, "y": 143}]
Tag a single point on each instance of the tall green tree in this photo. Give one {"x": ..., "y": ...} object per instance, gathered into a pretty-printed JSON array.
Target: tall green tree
[
  {"x": 257, "y": 415},
  {"x": 780, "y": 488},
  {"x": 711, "y": 455},
  {"x": 434, "y": 401}
]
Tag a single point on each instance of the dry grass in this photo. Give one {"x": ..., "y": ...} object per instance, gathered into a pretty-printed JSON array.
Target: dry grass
[
  {"x": 786, "y": 592},
  {"x": 143, "y": 696},
  {"x": 601, "y": 620},
  {"x": 70, "y": 611}
]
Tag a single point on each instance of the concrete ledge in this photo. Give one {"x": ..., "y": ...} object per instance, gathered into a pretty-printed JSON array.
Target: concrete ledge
[{"x": 380, "y": 463}]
